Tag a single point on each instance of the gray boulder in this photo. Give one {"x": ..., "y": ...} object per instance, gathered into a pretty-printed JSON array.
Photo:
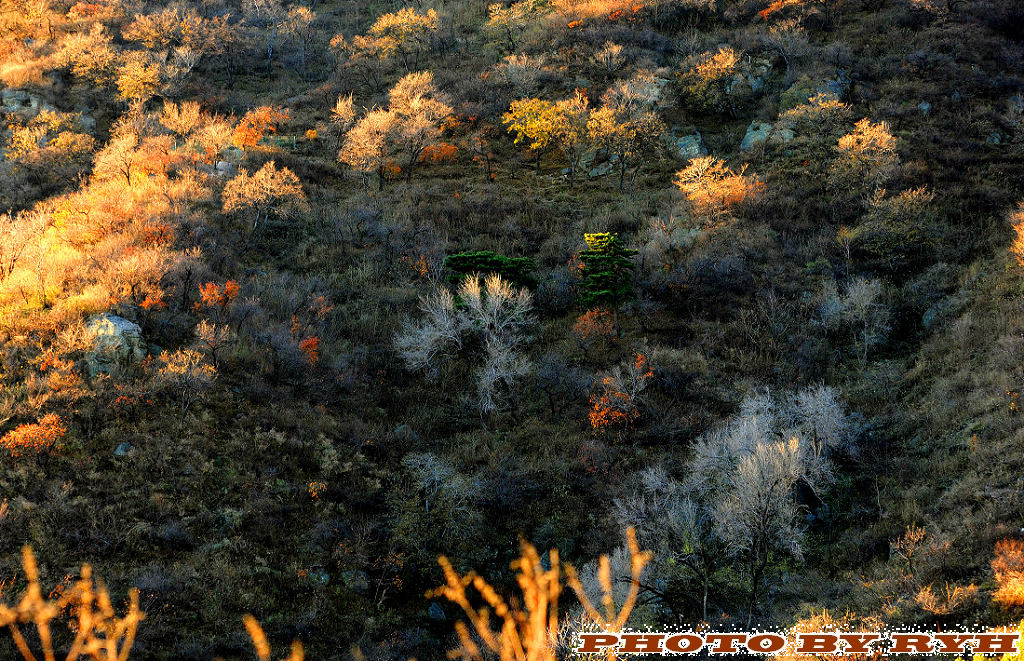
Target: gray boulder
[
  {"x": 116, "y": 342},
  {"x": 685, "y": 146},
  {"x": 88, "y": 123},
  {"x": 17, "y": 99},
  {"x": 750, "y": 81},
  {"x": 356, "y": 581},
  {"x": 759, "y": 133}
]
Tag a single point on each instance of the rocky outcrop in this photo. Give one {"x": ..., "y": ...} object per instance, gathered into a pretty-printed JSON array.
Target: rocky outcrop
[
  {"x": 685, "y": 145},
  {"x": 759, "y": 133},
  {"x": 116, "y": 343}
]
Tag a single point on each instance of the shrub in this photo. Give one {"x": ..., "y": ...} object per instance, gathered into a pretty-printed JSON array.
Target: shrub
[
  {"x": 34, "y": 438},
  {"x": 1008, "y": 567},
  {"x": 704, "y": 85},
  {"x": 517, "y": 270},
  {"x": 713, "y": 189}
]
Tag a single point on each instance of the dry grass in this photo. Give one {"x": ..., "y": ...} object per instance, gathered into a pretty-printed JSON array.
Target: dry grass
[
  {"x": 95, "y": 629},
  {"x": 528, "y": 627}
]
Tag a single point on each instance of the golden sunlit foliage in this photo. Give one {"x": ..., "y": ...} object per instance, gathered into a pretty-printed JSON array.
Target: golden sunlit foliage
[
  {"x": 713, "y": 189},
  {"x": 703, "y": 84},
  {"x": 34, "y": 438},
  {"x": 869, "y": 144},
  {"x": 1008, "y": 567},
  {"x": 1017, "y": 247},
  {"x": 405, "y": 33},
  {"x": 97, "y": 632},
  {"x": 542, "y": 123},
  {"x": 269, "y": 192},
  {"x": 508, "y": 25},
  {"x": 528, "y": 626},
  {"x": 412, "y": 121}
]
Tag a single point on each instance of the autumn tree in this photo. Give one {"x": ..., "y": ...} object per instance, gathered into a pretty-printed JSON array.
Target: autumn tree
[
  {"x": 343, "y": 116},
  {"x": 187, "y": 372},
  {"x": 865, "y": 158},
  {"x": 405, "y": 33},
  {"x": 118, "y": 159},
  {"x": 138, "y": 78},
  {"x": 17, "y": 232},
  {"x": 713, "y": 188},
  {"x": 182, "y": 119},
  {"x": 563, "y": 123},
  {"x": 532, "y": 121},
  {"x": 270, "y": 192},
  {"x": 367, "y": 144},
  {"x": 627, "y": 128},
  {"x": 91, "y": 56},
  {"x": 256, "y": 124},
  {"x": 411, "y": 122},
  {"x": 508, "y": 25},
  {"x": 617, "y": 402},
  {"x": 418, "y": 108},
  {"x": 704, "y": 84}
]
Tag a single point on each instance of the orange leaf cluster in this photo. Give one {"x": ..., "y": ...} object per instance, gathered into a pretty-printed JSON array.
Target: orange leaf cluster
[
  {"x": 442, "y": 153},
  {"x": 1008, "y": 566},
  {"x": 617, "y": 404},
  {"x": 214, "y": 295},
  {"x": 1017, "y": 247},
  {"x": 310, "y": 347},
  {"x": 255, "y": 124},
  {"x": 595, "y": 324},
  {"x": 36, "y": 437},
  {"x": 83, "y": 9}
]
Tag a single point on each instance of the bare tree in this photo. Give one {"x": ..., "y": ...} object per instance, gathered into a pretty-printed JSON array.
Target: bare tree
[
  {"x": 496, "y": 312},
  {"x": 423, "y": 344},
  {"x": 789, "y": 40}
]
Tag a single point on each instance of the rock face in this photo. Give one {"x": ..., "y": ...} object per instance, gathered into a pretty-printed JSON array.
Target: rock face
[
  {"x": 685, "y": 146},
  {"x": 117, "y": 342},
  {"x": 752, "y": 80},
  {"x": 804, "y": 89},
  {"x": 21, "y": 101},
  {"x": 759, "y": 133}
]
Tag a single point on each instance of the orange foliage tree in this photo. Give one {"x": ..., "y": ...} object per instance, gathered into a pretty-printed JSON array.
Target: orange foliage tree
[
  {"x": 1017, "y": 247},
  {"x": 256, "y": 124},
  {"x": 1008, "y": 566},
  {"x": 618, "y": 402},
  {"x": 36, "y": 438},
  {"x": 712, "y": 188}
]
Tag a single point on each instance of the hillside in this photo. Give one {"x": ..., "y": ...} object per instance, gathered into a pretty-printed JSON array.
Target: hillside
[{"x": 296, "y": 298}]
